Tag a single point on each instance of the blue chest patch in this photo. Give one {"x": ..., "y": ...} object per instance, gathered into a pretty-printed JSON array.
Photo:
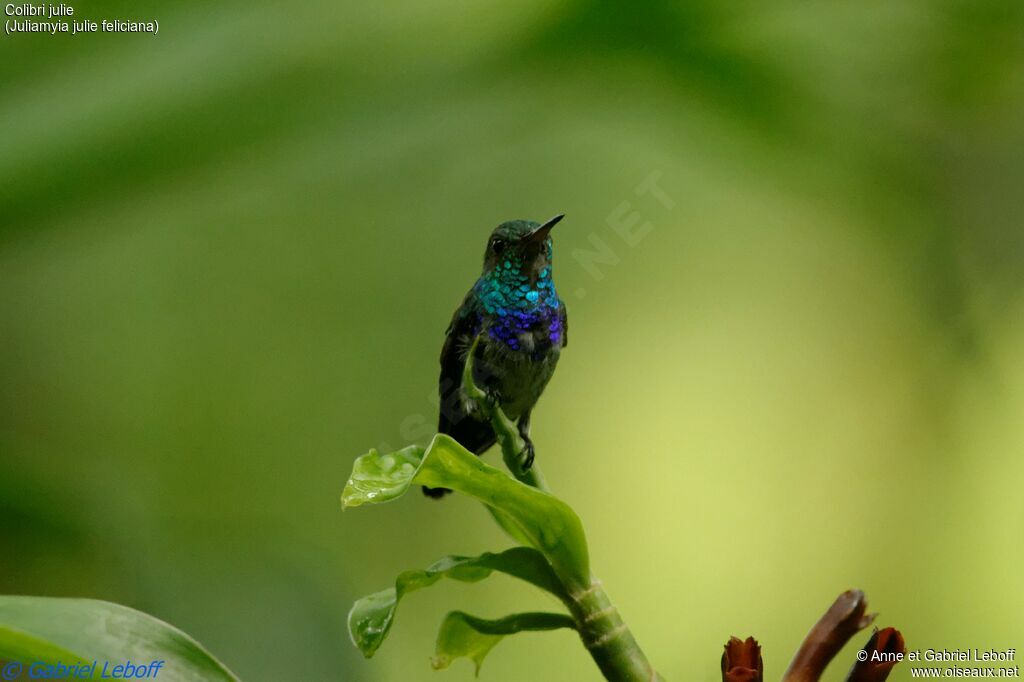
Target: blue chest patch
[{"x": 516, "y": 307}]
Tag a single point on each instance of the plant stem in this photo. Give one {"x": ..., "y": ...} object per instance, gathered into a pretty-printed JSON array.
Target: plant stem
[
  {"x": 605, "y": 635},
  {"x": 741, "y": 661},
  {"x": 845, "y": 618},
  {"x": 608, "y": 639}
]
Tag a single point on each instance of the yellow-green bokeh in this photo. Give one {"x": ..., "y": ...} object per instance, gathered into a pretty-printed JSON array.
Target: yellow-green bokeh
[{"x": 228, "y": 254}]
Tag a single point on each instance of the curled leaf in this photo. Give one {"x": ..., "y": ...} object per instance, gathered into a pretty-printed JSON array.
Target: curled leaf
[
  {"x": 545, "y": 522},
  {"x": 371, "y": 617},
  {"x": 380, "y": 478},
  {"x": 464, "y": 636}
]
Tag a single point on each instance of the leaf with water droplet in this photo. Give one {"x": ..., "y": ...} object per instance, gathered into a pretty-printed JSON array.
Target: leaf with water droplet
[
  {"x": 380, "y": 478},
  {"x": 545, "y": 522}
]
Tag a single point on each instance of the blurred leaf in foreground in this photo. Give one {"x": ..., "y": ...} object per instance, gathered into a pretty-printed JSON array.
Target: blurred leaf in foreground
[{"x": 69, "y": 631}]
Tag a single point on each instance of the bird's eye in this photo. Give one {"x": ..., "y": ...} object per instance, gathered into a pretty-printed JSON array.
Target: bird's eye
[{"x": 497, "y": 245}]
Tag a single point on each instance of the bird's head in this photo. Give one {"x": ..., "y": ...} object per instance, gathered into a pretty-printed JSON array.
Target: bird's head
[{"x": 523, "y": 246}]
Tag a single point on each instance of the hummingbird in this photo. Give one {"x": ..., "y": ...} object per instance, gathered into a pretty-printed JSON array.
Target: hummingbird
[{"x": 522, "y": 327}]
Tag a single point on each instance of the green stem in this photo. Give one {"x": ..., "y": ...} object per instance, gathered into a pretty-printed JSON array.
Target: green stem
[
  {"x": 608, "y": 639},
  {"x": 605, "y": 635}
]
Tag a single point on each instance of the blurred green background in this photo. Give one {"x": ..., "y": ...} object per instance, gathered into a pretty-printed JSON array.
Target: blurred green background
[{"x": 228, "y": 254}]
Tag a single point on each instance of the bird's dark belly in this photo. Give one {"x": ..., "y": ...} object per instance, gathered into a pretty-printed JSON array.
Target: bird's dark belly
[{"x": 518, "y": 377}]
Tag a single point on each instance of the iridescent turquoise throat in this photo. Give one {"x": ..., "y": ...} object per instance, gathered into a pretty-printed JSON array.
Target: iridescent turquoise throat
[{"x": 506, "y": 292}]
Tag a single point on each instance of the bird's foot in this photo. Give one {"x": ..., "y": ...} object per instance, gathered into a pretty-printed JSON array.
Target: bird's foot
[
  {"x": 473, "y": 406},
  {"x": 492, "y": 398},
  {"x": 527, "y": 455}
]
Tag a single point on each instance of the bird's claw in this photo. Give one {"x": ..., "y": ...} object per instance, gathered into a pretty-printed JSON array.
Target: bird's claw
[
  {"x": 481, "y": 408},
  {"x": 526, "y": 456},
  {"x": 492, "y": 398},
  {"x": 471, "y": 407}
]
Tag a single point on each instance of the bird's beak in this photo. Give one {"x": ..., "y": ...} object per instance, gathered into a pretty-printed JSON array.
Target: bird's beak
[{"x": 541, "y": 233}]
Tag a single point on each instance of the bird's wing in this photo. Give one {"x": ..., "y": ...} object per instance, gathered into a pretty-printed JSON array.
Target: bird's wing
[
  {"x": 452, "y": 418},
  {"x": 464, "y": 326},
  {"x": 476, "y": 436}
]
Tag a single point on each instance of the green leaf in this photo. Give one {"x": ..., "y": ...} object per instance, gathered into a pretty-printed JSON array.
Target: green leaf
[
  {"x": 69, "y": 631},
  {"x": 545, "y": 522},
  {"x": 371, "y": 617},
  {"x": 509, "y": 525},
  {"x": 380, "y": 478},
  {"x": 465, "y": 636}
]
